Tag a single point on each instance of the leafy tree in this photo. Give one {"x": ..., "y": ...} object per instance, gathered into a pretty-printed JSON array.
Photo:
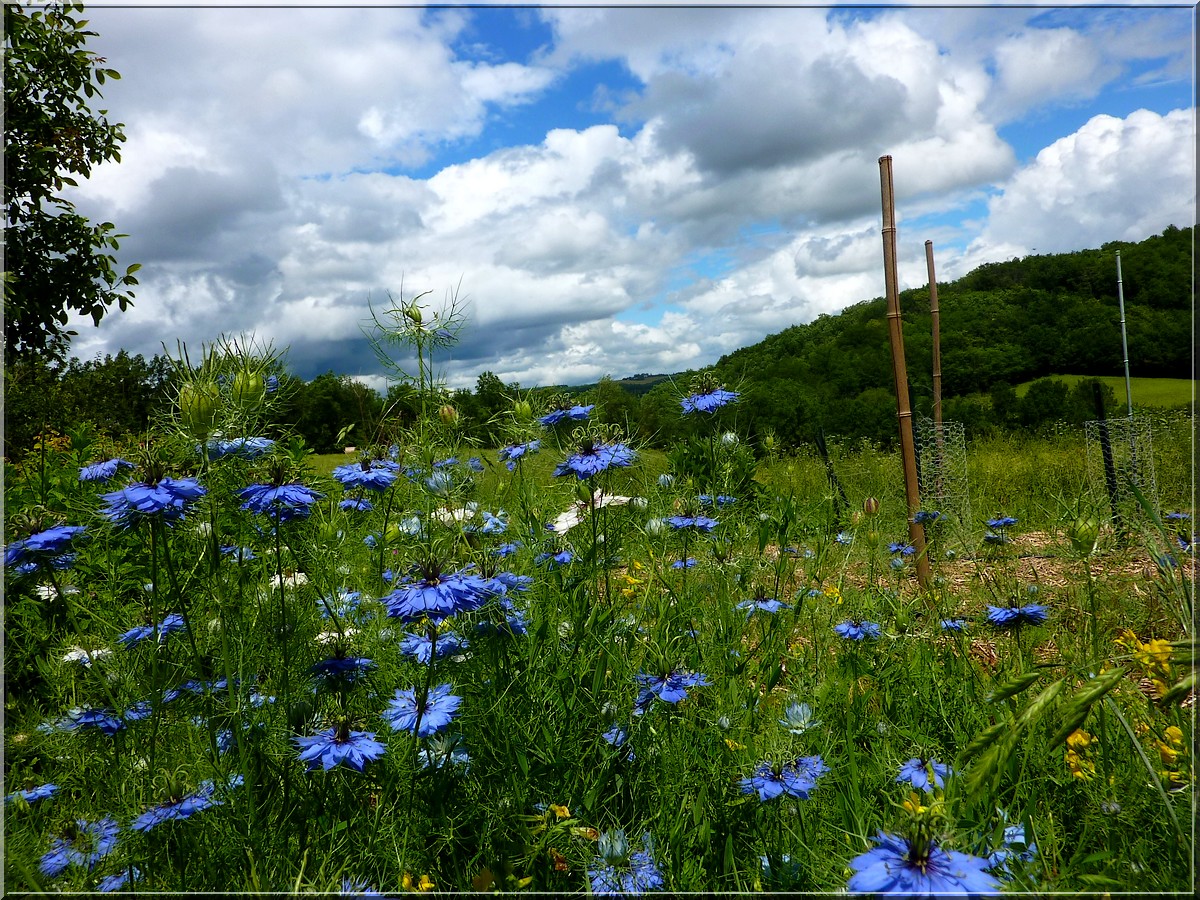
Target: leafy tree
[{"x": 56, "y": 261}]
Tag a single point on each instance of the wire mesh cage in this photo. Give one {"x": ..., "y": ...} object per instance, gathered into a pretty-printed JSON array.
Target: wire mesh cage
[
  {"x": 1120, "y": 456},
  {"x": 942, "y": 468}
]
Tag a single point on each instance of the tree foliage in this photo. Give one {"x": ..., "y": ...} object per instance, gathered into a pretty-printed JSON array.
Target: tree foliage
[{"x": 56, "y": 260}]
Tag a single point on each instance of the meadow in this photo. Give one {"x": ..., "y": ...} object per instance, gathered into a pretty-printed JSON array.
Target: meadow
[{"x": 565, "y": 665}]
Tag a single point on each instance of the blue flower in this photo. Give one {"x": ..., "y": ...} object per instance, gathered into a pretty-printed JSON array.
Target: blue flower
[
  {"x": 343, "y": 604},
  {"x": 618, "y": 871},
  {"x": 926, "y": 517},
  {"x": 993, "y": 538},
  {"x": 561, "y": 558},
  {"x": 762, "y": 604},
  {"x": 843, "y": 538},
  {"x": 574, "y": 413},
  {"x": 103, "y": 471},
  {"x": 507, "y": 549},
  {"x": 279, "y": 502},
  {"x": 1001, "y": 522},
  {"x": 797, "y": 779},
  {"x": 896, "y": 866},
  {"x": 916, "y": 772},
  {"x": 954, "y": 624},
  {"x": 709, "y": 402},
  {"x": 798, "y": 718},
  {"x": 706, "y": 500},
  {"x": 440, "y": 483},
  {"x": 32, "y": 795},
  {"x": 247, "y": 448},
  {"x": 901, "y": 548},
  {"x": 168, "y": 499},
  {"x": 116, "y": 882},
  {"x": 240, "y": 554},
  {"x": 688, "y": 563},
  {"x": 1016, "y": 616},
  {"x": 421, "y": 648},
  {"x": 437, "y": 596},
  {"x": 1014, "y": 846},
  {"x": 39, "y": 548},
  {"x": 858, "y": 631},
  {"x": 339, "y": 746},
  {"x": 139, "y": 633},
  {"x": 86, "y": 845},
  {"x": 358, "y": 886},
  {"x": 669, "y": 688},
  {"x": 494, "y": 524},
  {"x": 100, "y": 719},
  {"x": 340, "y": 672},
  {"x": 513, "y": 452},
  {"x": 183, "y": 807},
  {"x": 442, "y": 750},
  {"x": 138, "y": 711},
  {"x": 406, "y": 713},
  {"x": 359, "y": 504},
  {"x": 700, "y": 523},
  {"x": 374, "y": 475},
  {"x": 594, "y": 458}
]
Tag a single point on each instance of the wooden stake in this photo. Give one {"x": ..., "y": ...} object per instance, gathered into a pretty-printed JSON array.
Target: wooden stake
[{"x": 916, "y": 533}]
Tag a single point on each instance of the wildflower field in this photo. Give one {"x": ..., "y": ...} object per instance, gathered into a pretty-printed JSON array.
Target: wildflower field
[{"x": 564, "y": 665}]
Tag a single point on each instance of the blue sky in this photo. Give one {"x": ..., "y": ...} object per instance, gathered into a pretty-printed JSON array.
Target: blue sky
[{"x": 611, "y": 190}]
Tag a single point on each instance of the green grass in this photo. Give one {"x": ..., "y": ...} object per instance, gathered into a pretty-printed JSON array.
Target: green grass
[{"x": 1166, "y": 393}]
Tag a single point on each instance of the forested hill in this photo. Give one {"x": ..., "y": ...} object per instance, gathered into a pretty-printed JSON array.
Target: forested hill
[{"x": 1003, "y": 323}]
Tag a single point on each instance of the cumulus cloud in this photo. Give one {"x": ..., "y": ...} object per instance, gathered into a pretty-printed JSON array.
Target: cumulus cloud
[{"x": 288, "y": 170}]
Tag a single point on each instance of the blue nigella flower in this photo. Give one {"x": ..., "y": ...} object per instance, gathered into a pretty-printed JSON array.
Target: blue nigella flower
[
  {"x": 340, "y": 672},
  {"x": 247, "y": 448},
  {"x": 916, "y": 772},
  {"x": 39, "y": 548},
  {"x": 798, "y": 718},
  {"x": 204, "y": 797},
  {"x": 594, "y": 458},
  {"x": 339, "y": 746},
  {"x": 86, "y": 845},
  {"x": 954, "y": 624},
  {"x": 797, "y": 779},
  {"x": 669, "y": 688},
  {"x": 573, "y": 413},
  {"x": 902, "y": 548},
  {"x": 511, "y": 454},
  {"x": 1016, "y": 616},
  {"x": 137, "y": 634},
  {"x": 437, "y": 596},
  {"x": 279, "y": 502},
  {"x": 507, "y": 549},
  {"x": 239, "y": 554},
  {"x": 561, "y": 558},
  {"x": 137, "y": 712},
  {"x": 843, "y": 538},
  {"x": 406, "y": 713},
  {"x": 619, "y": 871},
  {"x": 440, "y": 483},
  {"x": 762, "y": 604},
  {"x": 700, "y": 523},
  {"x": 115, "y": 882},
  {"x": 357, "y": 504},
  {"x": 493, "y": 523},
  {"x": 168, "y": 499},
  {"x": 1014, "y": 846},
  {"x": 709, "y": 402},
  {"x": 1001, "y": 522},
  {"x": 32, "y": 795},
  {"x": 897, "y": 866},
  {"x": 421, "y": 648},
  {"x": 926, "y": 517},
  {"x": 858, "y": 631},
  {"x": 84, "y": 719},
  {"x": 706, "y": 500},
  {"x": 441, "y": 750},
  {"x": 373, "y": 475},
  {"x": 343, "y": 604},
  {"x": 688, "y": 563},
  {"x": 103, "y": 471}
]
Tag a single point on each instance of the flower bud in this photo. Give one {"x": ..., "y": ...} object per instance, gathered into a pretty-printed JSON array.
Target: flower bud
[
  {"x": 448, "y": 414},
  {"x": 522, "y": 411},
  {"x": 198, "y": 404},
  {"x": 870, "y": 506},
  {"x": 412, "y": 312},
  {"x": 730, "y": 439}
]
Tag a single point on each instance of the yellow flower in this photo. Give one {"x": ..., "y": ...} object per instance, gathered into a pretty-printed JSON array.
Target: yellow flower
[
  {"x": 832, "y": 592},
  {"x": 1173, "y": 735},
  {"x": 425, "y": 884},
  {"x": 734, "y": 745},
  {"x": 913, "y": 804},
  {"x": 560, "y": 811},
  {"x": 1081, "y": 768},
  {"x": 1079, "y": 739},
  {"x": 1167, "y": 753}
]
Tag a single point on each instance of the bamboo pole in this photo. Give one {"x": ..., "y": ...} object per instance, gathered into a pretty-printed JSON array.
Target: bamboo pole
[
  {"x": 939, "y": 449},
  {"x": 916, "y": 533}
]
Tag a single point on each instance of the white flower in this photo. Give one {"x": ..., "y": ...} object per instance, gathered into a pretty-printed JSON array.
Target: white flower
[{"x": 85, "y": 657}]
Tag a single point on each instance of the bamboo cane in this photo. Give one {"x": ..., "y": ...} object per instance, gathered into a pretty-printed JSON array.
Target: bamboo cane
[
  {"x": 939, "y": 448},
  {"x": 916, "y": 533}
]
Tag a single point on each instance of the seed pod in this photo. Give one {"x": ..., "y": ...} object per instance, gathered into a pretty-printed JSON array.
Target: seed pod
[
  {"x": 870, "y": 506},
  {"x": 448, "y": 414},
  {"x": 248, "y": 388},
  {"x": 1084, "y": 532},
  {"x": 198, "y": 404}
]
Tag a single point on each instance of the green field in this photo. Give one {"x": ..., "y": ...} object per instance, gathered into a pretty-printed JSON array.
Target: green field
[{"x": 1156, "y": 392}]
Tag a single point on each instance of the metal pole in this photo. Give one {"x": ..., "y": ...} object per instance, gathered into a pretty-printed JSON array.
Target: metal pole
[
  {"x": 916, "y": 533},
  {"x": 1124, "y": 340}
]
